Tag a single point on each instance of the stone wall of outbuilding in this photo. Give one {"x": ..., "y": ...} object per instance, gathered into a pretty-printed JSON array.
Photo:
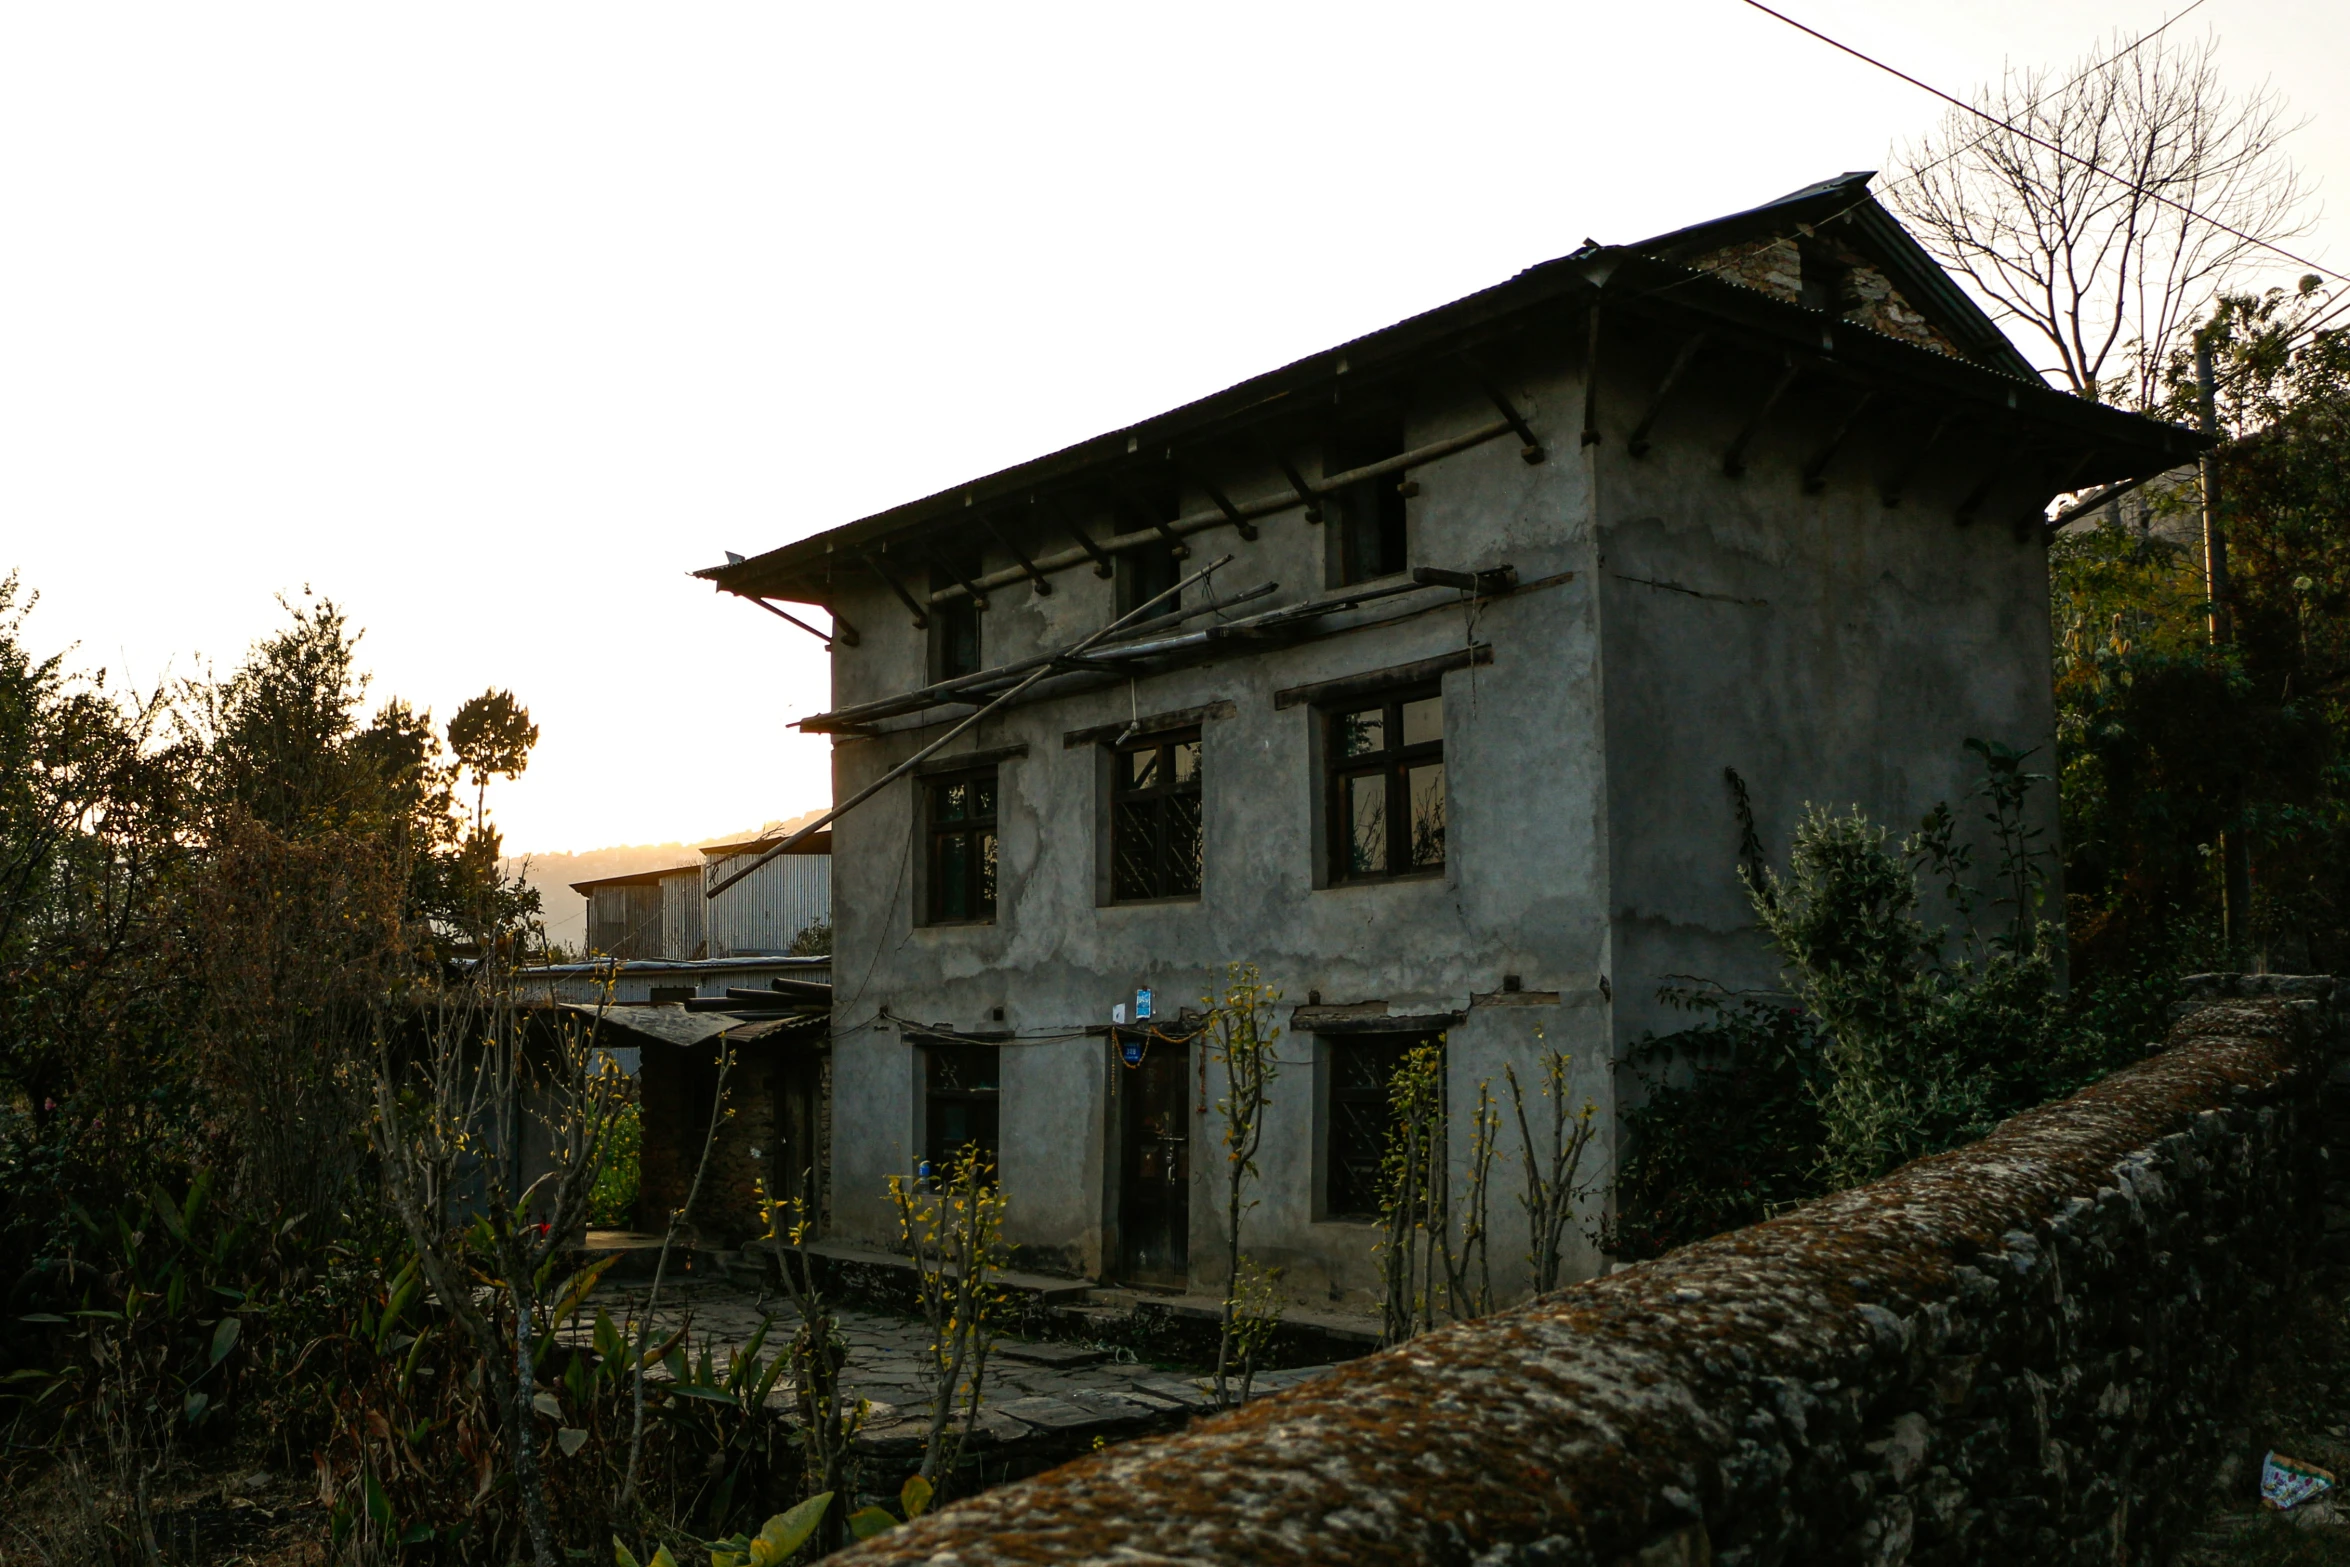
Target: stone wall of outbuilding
[{"x": 2024, "y": 1350}]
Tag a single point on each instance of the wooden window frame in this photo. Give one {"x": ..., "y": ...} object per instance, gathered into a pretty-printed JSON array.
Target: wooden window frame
[
  {"x": 1159, "y": 801},
  {"x": 1368, "y": 510},
  {"x": 1359, "y": 1107},
  {"x": 937, "y": 1060},
  {"x": 937, "y": 828},
  {"x": 1393, "y": 761}
]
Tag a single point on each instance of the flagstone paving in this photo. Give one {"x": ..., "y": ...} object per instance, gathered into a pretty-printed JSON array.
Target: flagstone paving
[{"x": 1034, "y": 1389}]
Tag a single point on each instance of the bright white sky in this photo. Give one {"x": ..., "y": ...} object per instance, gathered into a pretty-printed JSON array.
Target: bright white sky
[{"x": 492, "y": 322}]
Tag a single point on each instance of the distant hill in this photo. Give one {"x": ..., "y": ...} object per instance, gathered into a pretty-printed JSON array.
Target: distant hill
[{"x": 552, "y": 874}]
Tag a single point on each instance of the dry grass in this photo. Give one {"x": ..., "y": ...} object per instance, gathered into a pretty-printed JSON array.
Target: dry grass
[{"x": 231, "y": 1515}]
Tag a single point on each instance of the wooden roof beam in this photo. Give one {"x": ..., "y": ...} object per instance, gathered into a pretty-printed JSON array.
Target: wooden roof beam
[
  {"x": 921, "y": 620},
  {"x": 1532, "y": 450},
  {"x": 1637, "y": 442},
  {"x": 1043, "y": 583},
  {"x": 1734, "y": 460}
]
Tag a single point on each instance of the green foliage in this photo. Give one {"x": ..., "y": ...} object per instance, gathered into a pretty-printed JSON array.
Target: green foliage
[
  {"x": 813, "y": 941},
  {"x": 777, "y": 1541},
  {"x": 1905, "y": 1039},
  {"x": 1433, "y": 1257},
  {"x": 492, "y": 736},
  {"x": 1551, "y": 1165},
  {"x": 612, "y": 1204},
  {"x": 2166, "y": 741},
  {"x": 954, "y": 1236},
  {"x": 1728, "y": 1131},
  {"x": 1240, "y": 1035}
]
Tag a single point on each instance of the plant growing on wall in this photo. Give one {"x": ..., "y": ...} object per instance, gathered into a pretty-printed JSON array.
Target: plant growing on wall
[
  {"x": 1425, "y": 1267},
  {"x": 828, "y": 1419},
  {"x": 954, "y": 1234},
  {"x": 1241, "y": 1035},
  {"x": 1255, "y": 1316},
  {"x": 1551, "y": 1166}
]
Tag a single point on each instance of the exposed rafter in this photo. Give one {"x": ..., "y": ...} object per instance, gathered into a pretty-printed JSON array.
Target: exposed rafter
[
  {"x": 1815, "y": 472},
  {"x": 1907, "y": 473},
  {"x": 1734, "y": 460},
  {"x": 1044, "y": 584},
  {"x": 921, "y": 619},
  {"x": 1532, "y": 450},
  {"x": 1637, "y": 442},
  {"x": 1232, "y": 514}
]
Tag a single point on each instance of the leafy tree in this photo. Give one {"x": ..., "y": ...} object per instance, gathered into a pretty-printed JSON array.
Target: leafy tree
[
  {"x": 492, "y": 736},
  {"x": 2166, "y": 741}
]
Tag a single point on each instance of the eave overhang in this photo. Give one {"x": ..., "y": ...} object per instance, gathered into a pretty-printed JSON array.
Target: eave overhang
[{"x": 1554, "y": 295}]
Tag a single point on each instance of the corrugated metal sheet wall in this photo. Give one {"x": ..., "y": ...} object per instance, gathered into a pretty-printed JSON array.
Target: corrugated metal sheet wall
[
  {"x": 683, "y": 922},
  {"x": 625, "y": 922},
  {"x": 762, "y": 913}
]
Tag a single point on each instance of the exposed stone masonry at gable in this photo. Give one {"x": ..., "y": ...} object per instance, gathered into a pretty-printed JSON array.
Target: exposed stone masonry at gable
[
  {"x": 1776, "y": 268},
  {"x": 2022, "y": 1350}
]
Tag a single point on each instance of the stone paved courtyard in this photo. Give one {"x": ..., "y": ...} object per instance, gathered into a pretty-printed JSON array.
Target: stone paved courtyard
[{"x": 1034, "y": 1389}]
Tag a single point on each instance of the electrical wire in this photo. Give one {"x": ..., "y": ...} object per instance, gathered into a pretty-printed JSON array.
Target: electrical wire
[{"x": 2048, "y": 146}]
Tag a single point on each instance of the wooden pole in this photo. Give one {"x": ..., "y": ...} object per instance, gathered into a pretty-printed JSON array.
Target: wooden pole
[
  {"x": 2235, "y": 852},
  {"x": 923, "y": 755}
]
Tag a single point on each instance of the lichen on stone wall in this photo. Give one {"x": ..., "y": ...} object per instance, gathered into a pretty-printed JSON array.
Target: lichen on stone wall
[{"x": 2019, "y": 1350}]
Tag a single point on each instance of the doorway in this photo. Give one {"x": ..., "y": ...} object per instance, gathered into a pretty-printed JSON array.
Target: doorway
[
  {"x": 1154, "y": 1190},
  {"x": 800, "y": 1153}
]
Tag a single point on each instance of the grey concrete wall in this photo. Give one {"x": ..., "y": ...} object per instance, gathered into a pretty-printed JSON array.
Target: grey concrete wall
[
  {"x": 1826, "y": 647},
  {"x": 1522, "y": 893},
  {"x": 1832, "y": 650}
]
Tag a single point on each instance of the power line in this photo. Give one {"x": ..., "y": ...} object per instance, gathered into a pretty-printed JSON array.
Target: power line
[
  {"x": 2048, "y": 146},
  {"x": 2135, "y": 44}
]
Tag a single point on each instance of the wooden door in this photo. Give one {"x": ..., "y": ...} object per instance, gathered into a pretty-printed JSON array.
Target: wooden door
[
  {"x": 800, "y": 1155},
  {"x": 1154, "y": 1194}
]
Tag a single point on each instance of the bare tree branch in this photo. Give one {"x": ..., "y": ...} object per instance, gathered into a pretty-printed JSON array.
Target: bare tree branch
[{"x": 2100, "y": 265}]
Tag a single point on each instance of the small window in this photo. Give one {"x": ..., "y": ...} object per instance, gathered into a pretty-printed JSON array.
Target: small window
[
  {"x": 1367, "y": 517},
  {"x": 1826, "y": 282},
  {"x": 1145, "y": 572},
  {"x": 961, "y": 825},
  {"x": 1155, "y": 818},
  {"x": 961, "y": 1093},
  {"x": 1359, "y": 1116},
  {"x": 1385, "y": 764},
  {"x": 672, "y": 995},
  {"x": 954, "y": 625}
]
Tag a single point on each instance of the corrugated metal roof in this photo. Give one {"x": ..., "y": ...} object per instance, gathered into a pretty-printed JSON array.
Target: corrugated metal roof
[
  {"x": 673, "y": 1025},
  {"x": 799, "y": 570},
  {"x": 814, "y": 843}
]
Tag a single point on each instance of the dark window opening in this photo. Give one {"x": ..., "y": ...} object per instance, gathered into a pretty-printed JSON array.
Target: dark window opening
[
  {"x": 954, "y": 625},
  {"x": 1360, "y": 1117},
  {"x": 1369, "y": 513},
  {"x": 960, "y": 821},
  {"x": 961, "y": 1093},
  {"x": 1385, "y": 767},
  {"x": 1155, "y": 843},
  {"x": 672, "y": 995},
  {"x": 1145, "y": 571},
  {"x": 1826, "y": 282}
]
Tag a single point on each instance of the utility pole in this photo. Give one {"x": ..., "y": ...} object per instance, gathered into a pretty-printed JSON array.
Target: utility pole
[{"x": 2235, "y": 853}]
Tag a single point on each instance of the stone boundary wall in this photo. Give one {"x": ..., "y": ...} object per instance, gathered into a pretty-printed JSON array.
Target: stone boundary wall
[{"x": 2021, "y": 1351}]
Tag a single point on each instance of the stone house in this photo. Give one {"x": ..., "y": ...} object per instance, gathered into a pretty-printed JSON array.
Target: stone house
[{"x": 1443, "y": 747}]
